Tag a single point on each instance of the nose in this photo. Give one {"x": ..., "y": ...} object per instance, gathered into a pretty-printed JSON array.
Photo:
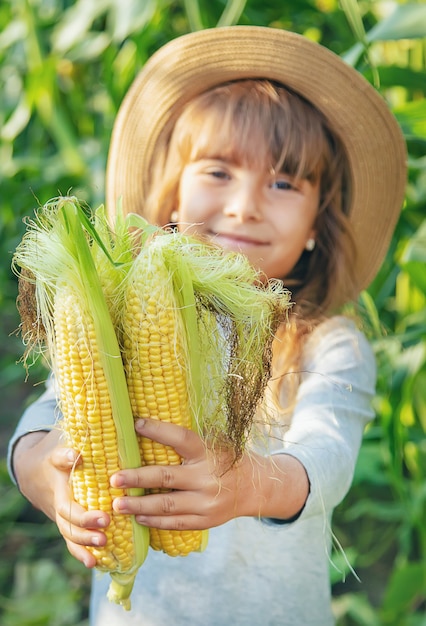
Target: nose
[{"x": 243, "y": 204}]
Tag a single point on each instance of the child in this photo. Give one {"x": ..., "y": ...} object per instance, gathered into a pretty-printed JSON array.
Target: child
[{"x": 268, "y": 144}]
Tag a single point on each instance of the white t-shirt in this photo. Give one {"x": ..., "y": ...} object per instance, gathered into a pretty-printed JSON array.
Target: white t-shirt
[{"x": 257, "y": 571}]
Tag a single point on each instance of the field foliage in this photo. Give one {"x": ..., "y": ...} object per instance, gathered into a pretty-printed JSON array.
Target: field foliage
[{"x": 65, "y": 66}]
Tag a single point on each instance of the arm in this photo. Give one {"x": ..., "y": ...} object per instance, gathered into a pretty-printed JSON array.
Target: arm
[
  {"x": 311, "y": 469},
  {"x": 38, "y": 419},
  {"x": 333, "y": 408}
]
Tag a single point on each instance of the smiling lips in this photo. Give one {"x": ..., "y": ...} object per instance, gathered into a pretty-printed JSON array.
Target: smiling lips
[{"x": 235, "y": 240}]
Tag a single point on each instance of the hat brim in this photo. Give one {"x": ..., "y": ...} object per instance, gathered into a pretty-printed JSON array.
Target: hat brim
[{"x": 193, "y": 63}]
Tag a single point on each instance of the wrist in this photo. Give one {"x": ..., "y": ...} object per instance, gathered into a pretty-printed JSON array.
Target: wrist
[
  {"x": 275, "y": 487},
  {"x": 28, "y": 464},
  {"x": 21, "y": 456}
]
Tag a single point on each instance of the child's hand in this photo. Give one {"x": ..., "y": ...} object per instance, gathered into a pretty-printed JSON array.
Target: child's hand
[
  {"x": 42, "y": 467},
  {"x": 206, "y": 490},
  {"x": 78, "y": 527},
  {"x": 198, "y": 498}
]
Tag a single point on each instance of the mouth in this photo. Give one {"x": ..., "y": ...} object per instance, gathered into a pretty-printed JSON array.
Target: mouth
[{"x": 237, "y": 241}]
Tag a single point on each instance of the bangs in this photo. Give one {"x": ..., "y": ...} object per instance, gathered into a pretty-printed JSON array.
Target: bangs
[{"x": 257, "y": 124}]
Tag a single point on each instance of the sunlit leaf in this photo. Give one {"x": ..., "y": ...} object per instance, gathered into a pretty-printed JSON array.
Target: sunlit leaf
[
  {"x": 416, "y": 247},
  {"x": 407, "y": 21},
  {"x": 129, "y": 16},
  {"x": 76, "y": 23},
  {"x": 413, "y": 259},
  {"x": 412, "y": 118},
  {"x": 17, "y": 121}
]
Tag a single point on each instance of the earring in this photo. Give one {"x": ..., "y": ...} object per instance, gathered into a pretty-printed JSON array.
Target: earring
[
  {"x": 174, "y": 216},
  {"x": 310, "y": 244}
]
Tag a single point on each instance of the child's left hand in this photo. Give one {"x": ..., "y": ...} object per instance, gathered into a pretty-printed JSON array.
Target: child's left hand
[{"x": 206, "y": 490}]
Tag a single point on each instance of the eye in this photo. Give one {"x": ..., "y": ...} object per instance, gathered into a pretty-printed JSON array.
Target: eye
[
  {"x": 217, "y": 172},
  {"x": 282, "y": 184}
]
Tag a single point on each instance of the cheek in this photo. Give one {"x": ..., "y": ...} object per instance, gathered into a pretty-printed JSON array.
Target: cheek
[
  {"x": 195, "y": 206},
  {"x": 289, "y": 245},
  {"x": 295, "y": 226}
]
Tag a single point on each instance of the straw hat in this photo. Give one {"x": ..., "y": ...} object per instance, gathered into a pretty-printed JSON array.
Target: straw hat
[{"x": 193, "y": 63}]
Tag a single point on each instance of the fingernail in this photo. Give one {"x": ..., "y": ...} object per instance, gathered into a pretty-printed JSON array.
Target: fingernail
[
  {"x": 116, "y": 504},
  {"x": 101, "y": 522},
  {"x": 139, "y": 423},
  {"x": 71, "y": 455},
  {"x": 117, "y": 481},
  {"x": 96, "y": 541},
  {"x": 119, "y": 505}
]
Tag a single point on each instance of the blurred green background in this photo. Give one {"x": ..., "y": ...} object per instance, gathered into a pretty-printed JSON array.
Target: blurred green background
[{"x": 64, "y": 68}]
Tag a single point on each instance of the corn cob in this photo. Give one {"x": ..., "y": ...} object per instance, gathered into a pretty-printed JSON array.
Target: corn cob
[
  {"x": 86, "y": 359},
  {"x": 88, "y": 424},
  {"x": 156, "y": 359}
]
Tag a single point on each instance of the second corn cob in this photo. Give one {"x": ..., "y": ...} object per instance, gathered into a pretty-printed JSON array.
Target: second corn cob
[{"x": 156, "y": 361}]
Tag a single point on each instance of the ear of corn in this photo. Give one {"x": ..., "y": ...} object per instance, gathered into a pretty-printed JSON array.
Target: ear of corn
[
  {"x": 88, "y": 424},
  {"x": 193, "y": 328},
  {"x": 86, "y": 359},
  {"x": 156, "y": 362}
]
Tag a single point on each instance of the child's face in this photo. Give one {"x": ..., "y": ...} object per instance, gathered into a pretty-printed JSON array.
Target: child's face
[{"x": 268, "y": 217}]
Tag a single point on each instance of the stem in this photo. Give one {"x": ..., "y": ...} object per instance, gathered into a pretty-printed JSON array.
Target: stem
[
  {"x": 193, "y": 14},
  {"x": 232, "y": 13}
]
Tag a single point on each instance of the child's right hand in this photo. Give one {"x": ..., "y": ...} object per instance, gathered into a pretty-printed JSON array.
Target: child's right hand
[{"x": 42, "y": 468}]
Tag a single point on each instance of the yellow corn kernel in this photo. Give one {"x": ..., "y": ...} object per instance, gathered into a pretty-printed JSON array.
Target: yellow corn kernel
[
  {"x": 89, "y": 427},
  {"x": 156, "y": 369}
]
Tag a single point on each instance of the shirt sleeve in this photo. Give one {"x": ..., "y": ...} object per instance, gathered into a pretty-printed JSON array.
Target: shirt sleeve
[
  {"x": 332, "y": 409},
  {"x": 41, "y": 415}
]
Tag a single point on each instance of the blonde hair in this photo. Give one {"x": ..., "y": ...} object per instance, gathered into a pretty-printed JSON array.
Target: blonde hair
[{"x": 263, "y": 124}]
